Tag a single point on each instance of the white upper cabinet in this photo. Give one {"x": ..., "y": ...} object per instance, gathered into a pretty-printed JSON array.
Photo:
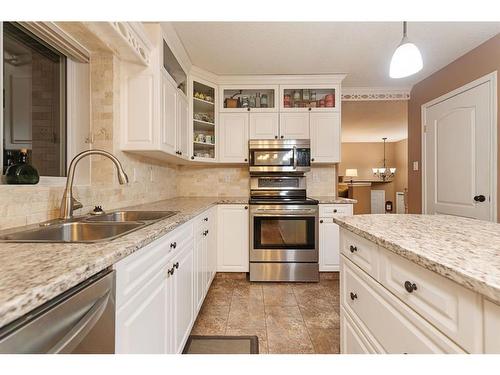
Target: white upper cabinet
[
  {"x": 248, "y": 98},
  {"x": 168, "y": 107},
  {"x": 325, "y": 137},
  {"x": 234, "y": 137},
  {"x": 203, "y": 121},
  {"x": 294, "y": 125},
  {"x": 310, "y": 98},
  {"x": 264, "y": 125},
  {"x": 182, "y": 144}
]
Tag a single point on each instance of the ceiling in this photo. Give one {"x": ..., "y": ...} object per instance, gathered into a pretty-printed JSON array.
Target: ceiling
[
  {"x": 361, "y": 49},
  {"x": 369, "y": 121}
]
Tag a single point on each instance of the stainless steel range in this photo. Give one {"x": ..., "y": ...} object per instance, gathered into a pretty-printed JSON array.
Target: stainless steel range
[{"x": 283, "y": 224}]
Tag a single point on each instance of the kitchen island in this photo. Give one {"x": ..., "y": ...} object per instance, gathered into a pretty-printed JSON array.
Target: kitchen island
[{"x": 419, "y": 284}]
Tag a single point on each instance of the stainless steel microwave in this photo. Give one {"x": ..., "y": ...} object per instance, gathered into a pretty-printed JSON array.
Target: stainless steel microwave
[{"x": 282, "y": 155}]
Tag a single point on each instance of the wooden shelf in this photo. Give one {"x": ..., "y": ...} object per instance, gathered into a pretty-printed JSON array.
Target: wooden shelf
[
  {"x": 203, "y": 101},
  {"x": 204, "y": 122},
  {"x": 204, "y": 144}
]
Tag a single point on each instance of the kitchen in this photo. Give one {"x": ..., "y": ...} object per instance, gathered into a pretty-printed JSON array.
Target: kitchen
[{"x": 155, "y": 183}]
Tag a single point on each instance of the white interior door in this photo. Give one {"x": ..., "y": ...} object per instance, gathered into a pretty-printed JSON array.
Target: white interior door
[{"x": 458, "y": 139}]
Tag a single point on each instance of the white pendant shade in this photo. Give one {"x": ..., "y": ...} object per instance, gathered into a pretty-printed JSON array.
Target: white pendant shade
[{"x": 406, "y": 60}]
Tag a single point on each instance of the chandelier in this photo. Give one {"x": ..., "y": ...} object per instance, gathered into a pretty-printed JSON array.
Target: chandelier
[{"x": 384, "y": 173}]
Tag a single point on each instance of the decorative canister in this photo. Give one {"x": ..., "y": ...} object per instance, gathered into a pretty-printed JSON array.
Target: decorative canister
[
  {"x": 321, "y": 102},
  {"x": 313, "y": 96},
  {"x": 263, "y": 100},
  {"x": 287, "y": 99},
  {"x": 245, "y": 102},
  {"x": 296, "y": 95},
  {"x": 329, "y": 100}
]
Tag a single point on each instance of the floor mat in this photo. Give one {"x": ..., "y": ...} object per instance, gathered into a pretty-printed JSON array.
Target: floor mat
[{"x": 222, "y": 345}]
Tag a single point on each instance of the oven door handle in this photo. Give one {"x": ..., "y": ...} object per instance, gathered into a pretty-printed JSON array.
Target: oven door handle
[
  {"x": 287, "y": 210},
  {"x": 294, "y": 157}
]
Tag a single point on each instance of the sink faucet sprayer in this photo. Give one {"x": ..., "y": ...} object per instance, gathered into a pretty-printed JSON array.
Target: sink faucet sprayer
[{"x": 69, "y": 203}]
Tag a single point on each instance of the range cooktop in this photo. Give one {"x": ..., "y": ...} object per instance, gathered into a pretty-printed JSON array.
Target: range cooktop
[{"x": 277, "y": 201}]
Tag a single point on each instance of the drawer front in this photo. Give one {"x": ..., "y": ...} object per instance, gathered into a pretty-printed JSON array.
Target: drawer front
[
  {"x": 361, "y": 251},
  {"x": 135, "y": 270},
  {"x": 331, "y": 210},
  {"x": 352, "y": 340},
  {"x": 454, "y": 310},
  {"x": 388, "y": 324}
]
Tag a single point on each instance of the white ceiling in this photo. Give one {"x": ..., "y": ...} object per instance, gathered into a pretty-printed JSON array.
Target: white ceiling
[
  {"x": 370, "y": 121},
  {"x": 361, "y": 49}
]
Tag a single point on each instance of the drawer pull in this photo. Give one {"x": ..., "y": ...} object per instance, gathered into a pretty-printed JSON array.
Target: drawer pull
[
  {"x": 335, "y": 211},
  {"x": 205, "y": 219},
  {"x": 176, "y": 265},
  {"x": 353, "y": 248},
  {"x": 410, "y": 287},
  {"x": 173, "y": 245},
  {"x": 321, "y": 221},
  {"x": 170, "y": 272},
  {"x": 354, "y": 296}
]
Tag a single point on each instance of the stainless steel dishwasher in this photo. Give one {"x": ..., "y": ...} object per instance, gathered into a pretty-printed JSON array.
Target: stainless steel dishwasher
[{"x": 81, "y": 320}]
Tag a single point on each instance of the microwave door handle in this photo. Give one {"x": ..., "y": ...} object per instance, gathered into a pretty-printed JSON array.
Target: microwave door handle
[{"x": 294, "y": 157}]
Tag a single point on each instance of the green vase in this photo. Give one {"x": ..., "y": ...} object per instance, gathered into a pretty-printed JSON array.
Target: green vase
[{"x": 22, "y": 172}]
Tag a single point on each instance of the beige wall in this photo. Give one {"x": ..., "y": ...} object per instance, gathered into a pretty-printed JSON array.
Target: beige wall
[
  {"x": 366, "y": 155},
  {"x": 474, "y": 64},
  {"x": 234, "y": 181}
]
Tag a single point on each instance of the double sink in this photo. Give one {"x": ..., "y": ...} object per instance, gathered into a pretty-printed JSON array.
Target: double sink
[{"x": 88, "y": 229}]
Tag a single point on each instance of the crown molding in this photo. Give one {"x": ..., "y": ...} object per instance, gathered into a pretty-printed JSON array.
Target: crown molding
[{"x": 375, "y": 93}]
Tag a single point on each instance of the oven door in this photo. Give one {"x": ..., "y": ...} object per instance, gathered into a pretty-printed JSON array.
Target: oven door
[{"x": 283, "y": 233}]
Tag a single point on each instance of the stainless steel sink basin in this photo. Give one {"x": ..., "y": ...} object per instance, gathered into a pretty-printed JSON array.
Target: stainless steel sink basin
[
  {"x": 73, "y": 232},
  {"x": 123, "y": 216}
]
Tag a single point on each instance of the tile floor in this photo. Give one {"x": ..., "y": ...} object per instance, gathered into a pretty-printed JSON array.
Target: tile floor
[{"x": 287, "y": 317}]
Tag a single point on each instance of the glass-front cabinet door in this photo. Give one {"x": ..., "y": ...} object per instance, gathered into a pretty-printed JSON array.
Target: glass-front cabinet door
[
  {"x": 243, "y": 98},
  {"x": 314, "y": 98},
  {"x": 204, "y": 120}
]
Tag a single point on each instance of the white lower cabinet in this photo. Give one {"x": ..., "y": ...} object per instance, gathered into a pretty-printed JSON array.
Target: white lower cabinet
[
  {"x": 329, "y": 235},
  {"x": 352, "y": 339},
  {"x": 160, "y": 288},
  {"x": 233, "y": 240}
]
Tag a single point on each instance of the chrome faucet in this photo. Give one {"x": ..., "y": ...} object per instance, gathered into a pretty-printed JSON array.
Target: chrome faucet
[{"x": 69, "y": 203}]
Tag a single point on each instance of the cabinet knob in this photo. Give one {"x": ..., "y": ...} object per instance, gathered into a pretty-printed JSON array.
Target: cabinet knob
[
  {"x": 246, "y": 160},
  {"x": 312, "y": 159},
  {"x": 353, "y": 296},
  {"x": 248, "y": 109},
  {"x": 205, "y": 219},
  {"x": 246, "y": 207},
  {"x": 353, "y": 248},
  {"x": 192, "y": 157},
  {"x": 180, "y": 152},
  {"x": 321, "y": 221},
  {"x": 309, "y": 109},
  {"x": 410, "y": 287},
  {"x": 335, "y": 211},
  {"x": 275, "y": 137},
  {"x": 479, "y": 198},
  {"x": 173, "y": 245},
  {"x": 176, "y": 265},
  {"x": 170, "y": 272},
  {"x": 282, "y": 137}
]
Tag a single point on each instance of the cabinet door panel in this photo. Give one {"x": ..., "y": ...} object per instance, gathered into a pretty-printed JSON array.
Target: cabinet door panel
[
  {"x": 294, "y": 125},
  {"x": 234, "y": 137},
  {"x": 168, "y": 115},
  {"x": 182, "y": 125},
  {"x": 264, "y": 125},
  {"x": 351, "y": 337},
  {"x": 329, "y": 244},
  {"x": 325, "y": 137},
  {"x": 141, "y": 323},
  {"x": 233, "y": 247},
  {"x": 183, "y": 292}
]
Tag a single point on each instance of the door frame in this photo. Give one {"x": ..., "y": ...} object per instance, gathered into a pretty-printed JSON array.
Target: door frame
[{"x": 490, "y": 78}]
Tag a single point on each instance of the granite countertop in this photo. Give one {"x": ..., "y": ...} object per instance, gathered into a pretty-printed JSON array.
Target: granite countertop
[
  {"x": 32, "y": 274},
  {"x": 466, "y": 251},
  {"x": 334, "y": 200}
]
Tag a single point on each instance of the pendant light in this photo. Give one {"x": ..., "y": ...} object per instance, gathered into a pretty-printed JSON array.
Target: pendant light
[{"x": 406, "y": 60}]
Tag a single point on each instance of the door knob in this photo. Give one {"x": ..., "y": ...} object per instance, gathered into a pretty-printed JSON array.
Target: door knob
[{"x": 480, "y": 198}]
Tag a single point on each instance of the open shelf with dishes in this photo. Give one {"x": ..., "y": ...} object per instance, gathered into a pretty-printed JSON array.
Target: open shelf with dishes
[
  {"x": 248, "y": 98},
  {"x": 204, "y": 120},
  {"x": 309, "y": 98}
]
